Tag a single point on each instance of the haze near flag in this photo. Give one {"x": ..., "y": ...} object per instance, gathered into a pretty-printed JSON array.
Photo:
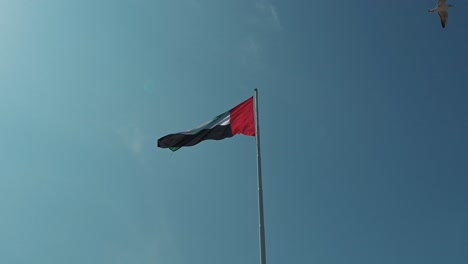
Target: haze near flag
[{"x": 238, "y": 120}]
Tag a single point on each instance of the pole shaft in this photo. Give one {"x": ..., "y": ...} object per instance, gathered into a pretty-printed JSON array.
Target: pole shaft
[{"x": 260, "y": 189}]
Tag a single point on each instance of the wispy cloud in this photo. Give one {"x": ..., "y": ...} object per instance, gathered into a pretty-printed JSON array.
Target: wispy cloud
[
  {"x": 131, "y": 137},
  {"x": 266, "y": 7},
  {"x": 265, "y": 17},
  {"x": 251, "y": 52},
  {"x": 251, "y": 47}
]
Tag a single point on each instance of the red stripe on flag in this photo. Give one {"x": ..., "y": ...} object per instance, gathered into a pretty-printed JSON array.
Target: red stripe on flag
[{"x": 242, "y": 118}]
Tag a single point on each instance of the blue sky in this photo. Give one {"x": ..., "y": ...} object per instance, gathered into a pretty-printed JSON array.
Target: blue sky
[{"x": 364, "y": 127}]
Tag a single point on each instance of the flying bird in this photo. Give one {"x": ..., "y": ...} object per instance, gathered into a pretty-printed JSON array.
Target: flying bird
[{"x": 441, "y": 9}]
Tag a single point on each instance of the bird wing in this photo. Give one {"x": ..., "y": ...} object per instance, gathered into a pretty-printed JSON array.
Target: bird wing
[
  {"x": 443, "y": 18},
  {"x": 441, "y": 2}
]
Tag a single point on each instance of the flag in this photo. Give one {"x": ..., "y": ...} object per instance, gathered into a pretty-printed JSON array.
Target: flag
[{"x": 238, "y": 120}]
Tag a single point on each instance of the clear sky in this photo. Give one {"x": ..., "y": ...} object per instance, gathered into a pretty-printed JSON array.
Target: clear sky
[{"x": 363, "y": 112}]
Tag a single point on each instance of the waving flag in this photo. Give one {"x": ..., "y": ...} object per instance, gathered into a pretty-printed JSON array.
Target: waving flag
[{"x": 238, "y": 120}]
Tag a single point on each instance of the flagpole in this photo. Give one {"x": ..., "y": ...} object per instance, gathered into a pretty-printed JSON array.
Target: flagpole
[{"x": 260, "y": 189}]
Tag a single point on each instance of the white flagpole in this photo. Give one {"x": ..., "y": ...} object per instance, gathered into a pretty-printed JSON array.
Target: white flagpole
[{"x": 260, "y": 189}]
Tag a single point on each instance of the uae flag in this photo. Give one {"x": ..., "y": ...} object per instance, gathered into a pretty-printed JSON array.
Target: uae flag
[{"x": 238, "y": 120}]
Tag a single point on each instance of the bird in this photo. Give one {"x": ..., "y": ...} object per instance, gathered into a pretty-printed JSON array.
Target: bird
[{"x": 441, "y": 9}]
